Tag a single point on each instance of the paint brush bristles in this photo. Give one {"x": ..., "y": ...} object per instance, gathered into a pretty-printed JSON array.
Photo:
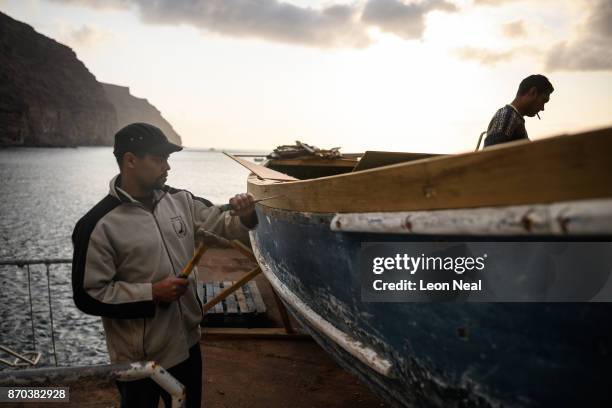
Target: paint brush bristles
[{"x": 538, "y": 115}]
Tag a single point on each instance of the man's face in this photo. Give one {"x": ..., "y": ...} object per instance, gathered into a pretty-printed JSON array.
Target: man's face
[
  {"x": 151, "y": 170},
  {"x": 538, "y": 100}
]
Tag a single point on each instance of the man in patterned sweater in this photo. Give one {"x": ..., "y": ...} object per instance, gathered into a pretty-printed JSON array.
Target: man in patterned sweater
[{"x": 508, "y": 123}]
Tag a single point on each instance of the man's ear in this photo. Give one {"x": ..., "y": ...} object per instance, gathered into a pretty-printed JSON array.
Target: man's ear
[
  {"x": 129, "y": 160},
  {"x": 533, "y": 92}
]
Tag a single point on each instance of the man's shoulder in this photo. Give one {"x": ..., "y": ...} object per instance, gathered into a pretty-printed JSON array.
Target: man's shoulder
[
  {"x": 506, "y": 111},
  {"x": 103, "y": 206},
  {"x": 173, "y": 192},
  {"x": 503, "y": 116},
  {"x": 505, "y": 126},
  {"x": 95, "y": 214}
]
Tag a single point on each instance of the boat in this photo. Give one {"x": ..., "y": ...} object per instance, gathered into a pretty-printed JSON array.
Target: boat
[{"x": 443, "y": 353}]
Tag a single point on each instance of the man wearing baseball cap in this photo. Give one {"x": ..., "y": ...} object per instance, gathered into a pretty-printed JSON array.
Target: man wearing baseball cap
[{"x": 129, "y": 249}]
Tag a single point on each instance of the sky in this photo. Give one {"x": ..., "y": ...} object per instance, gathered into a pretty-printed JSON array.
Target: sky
[{"x": 395, "y": 75}]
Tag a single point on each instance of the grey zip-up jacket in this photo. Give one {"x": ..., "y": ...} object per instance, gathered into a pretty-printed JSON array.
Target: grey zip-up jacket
[{"x": 121, "y": 248}]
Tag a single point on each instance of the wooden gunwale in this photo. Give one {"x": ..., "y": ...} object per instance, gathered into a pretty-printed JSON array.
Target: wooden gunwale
[{"x": 561, "y": 168}]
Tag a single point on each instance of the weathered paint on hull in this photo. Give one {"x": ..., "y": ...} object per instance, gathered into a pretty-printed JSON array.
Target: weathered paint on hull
[{"x": 443, "y": 354}]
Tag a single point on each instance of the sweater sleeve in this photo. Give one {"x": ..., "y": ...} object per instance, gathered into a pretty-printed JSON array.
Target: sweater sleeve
[{"x": 211, "y": 218}]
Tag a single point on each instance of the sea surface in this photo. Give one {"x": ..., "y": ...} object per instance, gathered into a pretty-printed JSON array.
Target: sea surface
[{"x": 43, "y": 193}]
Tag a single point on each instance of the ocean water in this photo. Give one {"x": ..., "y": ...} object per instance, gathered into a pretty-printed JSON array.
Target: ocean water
[{"x": 43, "y": 193}]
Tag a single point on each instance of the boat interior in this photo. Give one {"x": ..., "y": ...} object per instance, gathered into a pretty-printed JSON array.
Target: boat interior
[{"x": 310, "y": 167}]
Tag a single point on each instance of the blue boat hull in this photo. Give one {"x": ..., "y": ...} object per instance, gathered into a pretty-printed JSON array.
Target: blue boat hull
[{"x": 442, "y": 354}]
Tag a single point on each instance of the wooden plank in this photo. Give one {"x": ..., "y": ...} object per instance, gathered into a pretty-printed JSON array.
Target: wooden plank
[
  {"x": 243, "y": 249},
  {"x": 261, "y": 171},
  {"x": 249, "y": 299},
  {"x": 242, "y": 305},
  {"x": 211, "y": 333},
  {"x": 283, "y": 312},
  {"x": 218, "y": 308},
  {"x": 372, "y": 159},
  {"x": 230, "y": 301},
  {"x": 222, "y": 294},
  {"x": 209, "y": 294},
  {"x": 562, "y": 168},
  {"x": 257, "y": 299}
]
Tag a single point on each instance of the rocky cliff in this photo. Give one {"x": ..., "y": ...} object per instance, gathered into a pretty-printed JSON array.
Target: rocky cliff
[
  {"x": 49, "y": 98},
  {"x": 131, "y": 109}
]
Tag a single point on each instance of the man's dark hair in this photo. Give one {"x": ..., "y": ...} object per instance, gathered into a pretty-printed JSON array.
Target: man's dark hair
[
  {"x": 541, "y": 83},
  {"x": 120, "y": 158}
]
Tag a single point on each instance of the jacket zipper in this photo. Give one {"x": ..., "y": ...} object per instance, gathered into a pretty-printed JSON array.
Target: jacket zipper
[
  {"x": 161, "y": 235},
  {"x": 152, "y": 212},
  {"x": 167, "y": 252},
  {"x": 170, "y": 259}
]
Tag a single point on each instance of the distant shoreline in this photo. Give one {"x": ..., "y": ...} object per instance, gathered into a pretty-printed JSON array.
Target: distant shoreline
[{"x": 185, "y": 148}]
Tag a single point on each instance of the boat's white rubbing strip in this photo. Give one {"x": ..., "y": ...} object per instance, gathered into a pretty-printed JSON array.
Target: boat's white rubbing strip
[
  {"x": 586, "y": 217},
  {"x": 361, "y": 352}
]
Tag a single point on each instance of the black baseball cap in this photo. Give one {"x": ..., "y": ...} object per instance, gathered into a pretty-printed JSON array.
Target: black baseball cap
[{"x": 142, "y": 138}]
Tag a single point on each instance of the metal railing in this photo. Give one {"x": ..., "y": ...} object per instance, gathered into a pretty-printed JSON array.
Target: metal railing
[
  {"x": 27, "y": 263},
  {"x": 480, "y": 140},
  {"x": 65, "y": 376}
]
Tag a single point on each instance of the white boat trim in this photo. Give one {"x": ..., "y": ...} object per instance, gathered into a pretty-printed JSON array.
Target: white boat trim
[
  {"x": 354, "y": 347},
  {"x": 584, "y": 217}
]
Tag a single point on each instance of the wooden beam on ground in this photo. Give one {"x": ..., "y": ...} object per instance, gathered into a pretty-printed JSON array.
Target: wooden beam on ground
[
  {"x": 219, "y": 294},
  {"x": 257, "y": 298},
  {"x": 283, "y": 313},
  {"x": 232, "y": 305},
  {"x": 211, "y": 333},
  {"x": 243, "y": 249},
  {"x": 279, "y": 304}
]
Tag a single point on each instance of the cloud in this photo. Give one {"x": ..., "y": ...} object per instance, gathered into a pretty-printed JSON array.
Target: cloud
[
  {"x": 87, "y": 35},
  {"x": 403, "y": 19},
  {"x": 98, "y": 4},
  {"x": 591, "y": 47},
  {"x": 514, "y": 29},
  {"x": 493, "y": 2},
  {"x": 337, "y": 25},
  {"x": 485, "y": 56}
]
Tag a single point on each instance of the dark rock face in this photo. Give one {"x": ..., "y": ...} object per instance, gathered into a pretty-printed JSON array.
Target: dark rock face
[
  {"x": 131, "y": 109},
  {"x": 47, "y": 96}
]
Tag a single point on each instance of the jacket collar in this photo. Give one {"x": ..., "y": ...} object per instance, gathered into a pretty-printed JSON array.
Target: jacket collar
[{"x": 124, "y": 197}]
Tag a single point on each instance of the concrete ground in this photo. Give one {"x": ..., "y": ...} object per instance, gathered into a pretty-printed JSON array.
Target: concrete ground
[
  {"x": 271, "y": 373},
  {"x": 277, "y": 373}
]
